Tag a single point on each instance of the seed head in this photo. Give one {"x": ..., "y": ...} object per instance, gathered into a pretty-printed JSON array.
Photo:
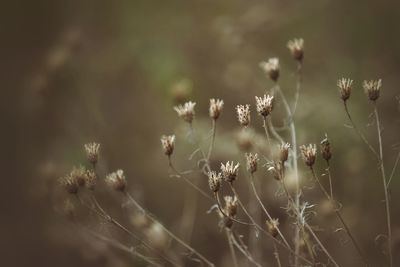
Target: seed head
[
  {"x": 264, "y": 105},
  {"x": 272, "y": 227},
  {"x": 90, "y": 179},
  {"x": 214, "y": 181},
  {"x": 284, "y": 152},
  {"x": 344, "y": 88},
  {"x": 231, "y": 205},
  {"x": 271, "y": 68},
  {"x": 168, "y": 144},
  {"x": 229, "y": 171},
  {"x": 326, "y": 150},
  {"x": 116, "y": 180},
  {"x": 216, "y": 106},
  {"x": 186, "y": 111},
  {"x": 251, "y": 162},
  {"x": 92, "y": 152},
  {"x": 69, "y": 183},
  {"x": 309, "y": 154},
  {"x": 296, "y": 47},
  {"x": 243, "y": 112},
  {"x": 372, "y": 89},
  {"x": 79, "y": 175}
]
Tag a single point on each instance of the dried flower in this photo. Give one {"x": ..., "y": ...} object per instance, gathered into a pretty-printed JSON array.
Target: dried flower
[
  {"x": 186, "y": 111},
  {"x": 326, "y": 150},
  {"x": 243, "y": 112},
  {"x": 231, "y": 205},
  {"x": 214, "y": 181},
  {"x": 216, "y": 106},
  {"x": 372, "y": 89},
  {"x": 79, "y": 175},
  {"x": 264, "y": 105},
  {"x": 168, "y": 144},
  {"x": 90, "y": 179},
  {"x": 117, "y": 180},
  {"x": 92, "y": 152},
  {"x": 229, "y": 171},
  {"x": 271, "y": 67},
  {"x": 251, "y": 162},
  {"x": 344, "y": 88},
  {"x": 272, "y": 227},
  {"x": 309, "y": 154},
  {"x": 276, "y": 168},
  {"x": 69, "y": 183},
  {"x": 284, "y": 152},
  {"x": 296, "y": 47}
]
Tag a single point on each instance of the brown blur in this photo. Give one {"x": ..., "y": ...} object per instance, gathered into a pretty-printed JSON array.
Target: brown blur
[{"x": 111, "y": 72}]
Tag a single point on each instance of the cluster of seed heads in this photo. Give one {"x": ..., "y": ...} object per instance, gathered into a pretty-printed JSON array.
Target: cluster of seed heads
[{"x": 372, "y": 88}]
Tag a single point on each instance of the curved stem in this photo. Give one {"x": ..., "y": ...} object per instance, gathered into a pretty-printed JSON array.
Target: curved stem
[
  {"x": 274, "y": 132},
  {"x": 382, "y": 167},
  {"x": 172, "y": 235},
  {"x": 243, "y": 250}
]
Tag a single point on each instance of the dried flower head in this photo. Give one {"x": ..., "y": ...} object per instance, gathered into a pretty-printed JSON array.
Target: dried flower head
[
  {"x": 276, "y": 169},
  {"x": 272, "y": 227},
  {"x": 296, "y": 47},
  {"x": 90, "y": 179},
  {"x": 264, "y": 105},
  {"x": 284, "y": 152},
  {"x": 271, "y": 68},
  {"x": 372, "y": 89},
  {"x": 229, "y": 171},
  {"x": 231, "y": 205},
  {"x": 251, "y": 162},
  {"x": 309, "y": 154},
  {"x": 117, "y": 180},
  {"x": 79, "y": 175},
  {"x": 214, "y": 181},
  {"x": 344, "y": 88},
  {"x": 243, "y": 112},
  {"x": 326, "y": 149},
  {"x": 92, "y": 152},
  {"x": 69, "y": 183},
  {"x": 216, "y": 106},
  {"x": 168, "y": 144},
  {"x": 186, "y": 111}
]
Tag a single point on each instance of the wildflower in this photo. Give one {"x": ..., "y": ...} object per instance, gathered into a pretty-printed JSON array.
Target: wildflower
[
  {"x": 372, "y": 89},
  {"x": 69, "y": 183},
  {"x": 344, "y": 88},
  {"x": 168, "y": 144},
  {"x": 276, "y": 168},
  {"x": 90, "y": 179},
  {"x": 251, "y": 162},
  {"x": 214, "y": 181},
  {"x": 186, "y": 111},
  {"x": 117, "y": 180},
  {"x": 272, "y": 227},
  {"x": 92, "y": 152},
  {"x": 78, "y": 174},
  {"x": 271, "y": 67},
  {"x": 243, "y": 112},
  {"x": 229, "y": 171},
  {"x": 264, "y": 105},
  {"x": 309, "y": 154},
  {"x": 216, "y": 106},
  {"x": 284, "y": 152},
  {"x": 296, "y": 47},
  {"x": 231, "y": 205},
  {"x": 326, "y": 150}
]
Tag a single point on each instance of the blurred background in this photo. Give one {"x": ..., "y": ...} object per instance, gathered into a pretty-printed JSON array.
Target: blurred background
[{"x": 111, "y": 71}]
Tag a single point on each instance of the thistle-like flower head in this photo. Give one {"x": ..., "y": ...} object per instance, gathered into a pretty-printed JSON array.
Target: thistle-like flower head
[
  {"x": 117, "y": 180},
  {"x": 326, "y": 149},
  {"x": 229, "y": 171},
  {"x": 345, "y": 86},
  {"x": 251, "y": 162},
  {"x": 216, "y": 106},
  {"x": 69, "y": 183},
  {"x": 243, "y": 113},
  {"x": 79, "y": 175},
  {"x": 264, "y": 105},
  {"x": 284, "y": 152},
  {"x": 372, "y": 89},
  {"x": 271, "y": 68},
  {"x": 272, "y": 227},
  {"x": 296, "y": 47},
  {"x": 168, "y": 144},
  {"x": 231, "y": 204},
  {"x": 214, "y": 181},
  {"x": 309, "y": 154},
  {"x": 186, "y": 111},
  {"x": 92, "y": 152}
]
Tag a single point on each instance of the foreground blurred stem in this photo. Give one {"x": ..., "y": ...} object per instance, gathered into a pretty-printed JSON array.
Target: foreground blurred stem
[
  {"x": 172, "y": 235},
  {"x": 231, "y": 248},
  {"x": 382, "y": 167}
]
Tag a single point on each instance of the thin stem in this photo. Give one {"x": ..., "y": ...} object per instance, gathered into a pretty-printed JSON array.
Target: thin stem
[
  {"x": 347, "y": 229},
  {"x": 243, "y": 250},
  {"x": 328, "y": 169},
  {"x": 173, "y": 236},
  {"x": 298, "y": 86},
  {"x": 276, "y": 254},
  {"x": 214, "y": 130},
  {"x": 226, "y": 215},
  {"x": 360, "y": 134},
  {"x": 394, "y": 169},
  {"x": 378, "y": 126},
  {"x": 267, "y": 135},
  {"x": 265, "y": 210},
  {"x": 231, "y": 248},
  {"x": 274, "y": 132}
]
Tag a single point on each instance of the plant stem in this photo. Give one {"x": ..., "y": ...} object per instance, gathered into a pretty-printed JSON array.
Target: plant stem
[
  {"x": 231, "y": 248},
  {"x": 173, "y": 236},
  {"x": 388, "y": 220},
  {"x": 328, "y": 169},
  {"x": 214, "y": 130}
]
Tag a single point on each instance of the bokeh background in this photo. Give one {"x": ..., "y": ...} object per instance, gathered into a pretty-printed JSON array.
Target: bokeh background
[{"x": 110, "y": 71}]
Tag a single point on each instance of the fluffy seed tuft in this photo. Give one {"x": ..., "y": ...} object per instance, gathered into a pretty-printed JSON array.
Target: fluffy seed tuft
[
  {"x": 186, "y": 111},
  {"x": 117, "y": 180},
  {"x": 296, "y": 47},
  {"x": 216, "y": 106},
  {"x": 168, "y": 144},
  {"x": 271, "y": 68}
]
